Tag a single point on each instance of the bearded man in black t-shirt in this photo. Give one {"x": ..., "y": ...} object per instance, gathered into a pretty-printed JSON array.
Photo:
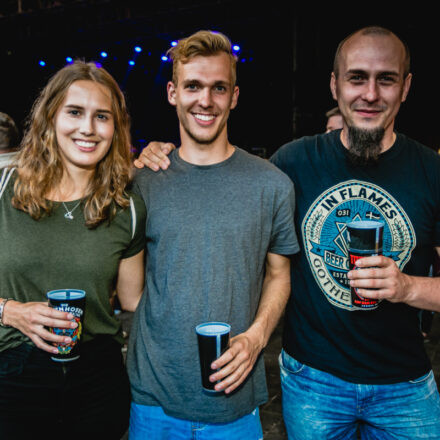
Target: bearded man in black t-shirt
[{"x": 345, "y": 369}]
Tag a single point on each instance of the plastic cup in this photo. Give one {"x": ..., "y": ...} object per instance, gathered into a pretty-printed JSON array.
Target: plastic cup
[
  {"x": 365, "y": 239},
  {"x": 213, "y": 341},
  {"x": 72, "y": 301}
]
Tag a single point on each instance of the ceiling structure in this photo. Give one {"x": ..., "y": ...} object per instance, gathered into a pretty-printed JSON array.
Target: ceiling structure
[{"x": 285, "y": 60}]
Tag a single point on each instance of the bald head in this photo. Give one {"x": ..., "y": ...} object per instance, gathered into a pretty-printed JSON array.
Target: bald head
[
  {"x": 372, "y": 32},
  {"x": 370, "y": 81}
]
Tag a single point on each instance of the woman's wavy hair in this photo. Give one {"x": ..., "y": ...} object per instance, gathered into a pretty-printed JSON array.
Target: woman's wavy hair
[{"x": 39, "y": 164}]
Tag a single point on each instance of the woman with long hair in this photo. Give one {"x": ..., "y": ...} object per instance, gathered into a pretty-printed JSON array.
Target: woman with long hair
[{"x": 68, "y": 221}]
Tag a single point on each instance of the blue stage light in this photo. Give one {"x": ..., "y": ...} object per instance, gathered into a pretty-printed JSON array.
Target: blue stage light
[
  {"x": 236, "y": 47},
  {"x": 69, "y": 59},
  {"x": 138, "y": 49},
  {"x": 174, "y": 43},
  {"x": 164, "y": 58},
  {"x": 131, "y": 62},
  {"x": 104, "y": 54},
  {"x": 98, "y": 65},
  {"x": 42, "y": 63}
]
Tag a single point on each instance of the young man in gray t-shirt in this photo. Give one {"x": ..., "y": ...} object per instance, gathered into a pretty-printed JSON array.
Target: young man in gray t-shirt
[{"x": 219, "y": 229}]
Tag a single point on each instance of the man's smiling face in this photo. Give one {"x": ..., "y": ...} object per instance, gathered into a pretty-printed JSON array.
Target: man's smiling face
[
  {"x": 203, "y": 96},
  {"x": 370, "y": 83}
]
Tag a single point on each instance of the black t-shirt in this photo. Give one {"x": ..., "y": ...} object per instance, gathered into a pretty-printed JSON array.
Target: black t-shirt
[{"x": 322, "y": 328}]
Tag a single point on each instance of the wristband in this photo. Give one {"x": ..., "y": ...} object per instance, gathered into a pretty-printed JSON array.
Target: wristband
[{"x": 2, "y": 308}]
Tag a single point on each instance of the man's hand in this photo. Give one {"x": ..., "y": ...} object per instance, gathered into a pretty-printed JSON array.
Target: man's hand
[
  {"x": 237, "y": 362},
  {"x": 31, "y": 319},
  {"x": 154, "y": 156},
  {"x": 380, "y": 273}
]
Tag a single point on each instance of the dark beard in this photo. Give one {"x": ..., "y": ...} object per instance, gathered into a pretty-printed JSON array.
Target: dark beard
[{"x": 364, "y": 146}]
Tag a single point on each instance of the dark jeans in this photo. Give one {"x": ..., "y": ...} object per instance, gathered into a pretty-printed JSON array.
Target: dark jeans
[{"x": 84, "y": 399}]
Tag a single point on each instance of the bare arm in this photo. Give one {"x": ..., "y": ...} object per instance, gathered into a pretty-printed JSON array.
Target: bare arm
[
  {"x": 154, "y": 156},
  {"x": 393, "y": 285},
  {"x": 237, "y": 362},
  {"x": 130, "y": 284}
]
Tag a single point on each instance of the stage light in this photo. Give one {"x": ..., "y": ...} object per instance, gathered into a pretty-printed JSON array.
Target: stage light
[
  {"x": 174, "y": 43},
  {"x": 42, "y": 63},
  {"x": 235, "y": 47},
  {"x": 98, "y": 65},
  {"x": 138, "y": 49},
  {"x": 69, "y": 59},
  {"x": 164, "y": 58},
  {"x": 104, "y": 54},
  {"x": 131, "y": 62}
]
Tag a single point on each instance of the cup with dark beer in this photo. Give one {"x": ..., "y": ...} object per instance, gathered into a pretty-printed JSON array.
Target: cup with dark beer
[
  {"x": 365, "y": 239},
  {"x": 213, "y": 341}
]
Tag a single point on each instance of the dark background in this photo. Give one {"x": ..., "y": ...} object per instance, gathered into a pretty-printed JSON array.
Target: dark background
[{"x": 284, "y": 69}]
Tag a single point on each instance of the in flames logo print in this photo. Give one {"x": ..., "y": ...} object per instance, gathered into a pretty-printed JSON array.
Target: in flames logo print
[{"x": 325, "y": 234}]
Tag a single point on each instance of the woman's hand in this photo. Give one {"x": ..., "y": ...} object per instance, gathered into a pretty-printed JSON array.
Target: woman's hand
[{"x": 31, "y": 319}]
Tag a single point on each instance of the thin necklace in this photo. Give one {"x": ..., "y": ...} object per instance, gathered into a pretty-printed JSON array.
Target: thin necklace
[{"x": 68, "y": 213}]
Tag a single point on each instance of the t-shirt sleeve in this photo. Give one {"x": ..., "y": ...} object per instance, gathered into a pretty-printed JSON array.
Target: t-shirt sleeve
[
  {"x": 284, "y": 240},
  {"x": 138, "y": 216},
  {"x": 281, "y": 158}
]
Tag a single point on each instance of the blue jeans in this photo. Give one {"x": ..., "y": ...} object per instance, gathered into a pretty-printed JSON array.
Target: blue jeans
[
  {"x": 318, "y": 405},
  {"x": 150, "y": 422}
]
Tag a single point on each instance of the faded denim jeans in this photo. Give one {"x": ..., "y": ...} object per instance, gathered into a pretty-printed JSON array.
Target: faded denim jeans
[
  {"x": 318, "y": 405},
  {"x": 150, "y": 422}
]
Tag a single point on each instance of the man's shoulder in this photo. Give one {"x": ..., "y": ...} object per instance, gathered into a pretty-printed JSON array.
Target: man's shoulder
[
  {"x": 298, "y": 146},
  {"x": 425, "y": 153},
  {"x": 298, "y": 155},
  {"x": 263, "y": 168},
  {"x": 145, "y": 177}
]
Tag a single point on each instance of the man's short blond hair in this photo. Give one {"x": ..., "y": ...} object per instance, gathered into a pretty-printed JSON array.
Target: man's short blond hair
[{"x": 205, "y": 44}]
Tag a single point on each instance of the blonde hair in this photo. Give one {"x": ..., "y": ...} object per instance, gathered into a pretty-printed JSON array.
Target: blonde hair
[
  {"x": 205, "y": 44},
  {"x": 39, "y": 164}
]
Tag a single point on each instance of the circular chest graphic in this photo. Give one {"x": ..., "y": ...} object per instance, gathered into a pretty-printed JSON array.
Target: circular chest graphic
[{"x": 325, "y": 233}]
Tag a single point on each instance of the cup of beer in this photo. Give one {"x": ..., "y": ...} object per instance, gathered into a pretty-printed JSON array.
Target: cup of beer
[
  {"x": 365, "y": 239},
  {"x": 71, "y": 301},
  {"x": 213, "y": 341}
]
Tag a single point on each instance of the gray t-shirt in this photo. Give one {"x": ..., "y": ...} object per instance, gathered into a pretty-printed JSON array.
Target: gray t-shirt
[{"x": 208, "y": 231}]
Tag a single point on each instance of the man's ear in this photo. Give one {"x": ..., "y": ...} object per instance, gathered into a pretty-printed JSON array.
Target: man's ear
[
  {"x": 406, "y": 86},
  {"x": 171, "y": 92},
  {"x": 333, "y": 87},
  {"x": 234, "y": 100}
]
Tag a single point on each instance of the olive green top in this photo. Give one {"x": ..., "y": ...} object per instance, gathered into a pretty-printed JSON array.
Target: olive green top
[{"x": 58, "y": 253}]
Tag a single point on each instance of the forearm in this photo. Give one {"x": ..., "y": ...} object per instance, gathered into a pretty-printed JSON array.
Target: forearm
[
  {"x": 237, "y": 362},
  {"x": 130, "y": 302},
  {"x": 423, "y": 292},
  {"x": 274, "y": 296},
  {"x": 130, "y": 283}
]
